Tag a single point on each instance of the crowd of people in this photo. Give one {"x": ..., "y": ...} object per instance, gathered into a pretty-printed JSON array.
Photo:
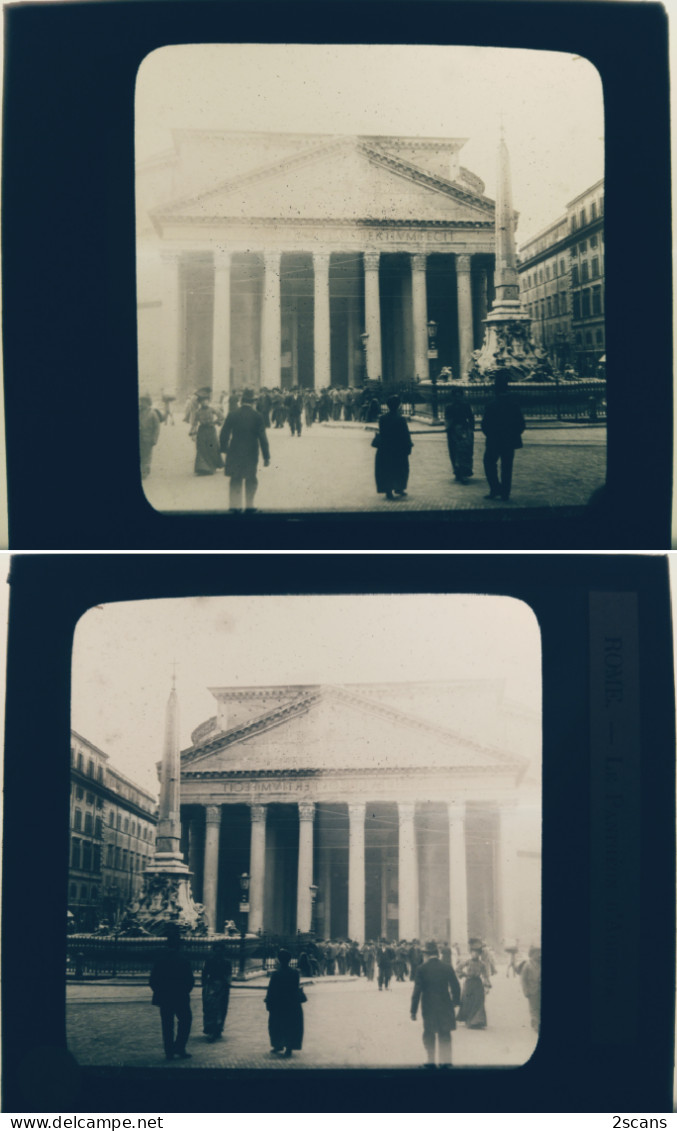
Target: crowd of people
[
  {"x": 231, "y": 434},
  {"x": 448, "y": 985}
]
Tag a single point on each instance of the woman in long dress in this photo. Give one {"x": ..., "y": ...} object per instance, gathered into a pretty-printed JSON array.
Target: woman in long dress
[
  {"x": 460, "y": 425},
  {"x": 393, "y": 445},
  {"x": 207, "y": 454},
  {"x": 475, "y": 984},
  {"x": 284, "y": 1004},
  {"x": 216, "y": 975}
]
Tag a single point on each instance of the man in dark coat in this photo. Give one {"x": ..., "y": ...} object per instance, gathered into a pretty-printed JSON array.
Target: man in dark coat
[
  {"x": 393, "y": 445},
  {"x": 149, "y": 430},
  {"x": 171, "y": 981},
  {"x": 242, "y": 435},
  {"x": 503, "y": 425},
  {"x": 436, "y": 988},
  {"x": 294, "y": 407}
]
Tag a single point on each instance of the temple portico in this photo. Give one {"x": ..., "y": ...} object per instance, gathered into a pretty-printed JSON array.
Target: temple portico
[
  {"x": 399, "y": 829},
  {"x": 320, "y": 266},
  {"x": 254, "y": 318}
]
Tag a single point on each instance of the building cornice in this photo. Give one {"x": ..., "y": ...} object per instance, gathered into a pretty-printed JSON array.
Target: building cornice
[
  {"x": 562, "y": 245},
  {"x": 347, "y": 771}
]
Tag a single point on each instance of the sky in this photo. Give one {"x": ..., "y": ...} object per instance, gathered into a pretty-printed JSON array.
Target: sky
[
  {"x": 550, "y": 105},
  {"x": 123, "y": 656}
]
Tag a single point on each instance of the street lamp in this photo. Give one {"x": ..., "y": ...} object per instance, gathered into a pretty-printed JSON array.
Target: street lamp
[
  {"x": 244, "y": 911},
  {"x": 432, "y": 362},
  {"x": 364, "y": 338},
  {"x": 313, "y": 900}
]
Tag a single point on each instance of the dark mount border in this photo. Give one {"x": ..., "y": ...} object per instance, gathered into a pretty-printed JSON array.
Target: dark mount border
[
  {"x": 568, "y": 1071},
  {"x": 69, "y": 269}
]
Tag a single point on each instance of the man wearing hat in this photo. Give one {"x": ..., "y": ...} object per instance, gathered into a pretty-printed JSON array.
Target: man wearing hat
[
  {"x": 242, "y": 435},
  {"x": 436, "y": 988},
  {"x": 171, "y": 981}
]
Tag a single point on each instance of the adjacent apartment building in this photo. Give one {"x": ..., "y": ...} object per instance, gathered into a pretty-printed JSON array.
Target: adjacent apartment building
[
  {"x": 112, "y": 837},
  {"x": 562, "y": 284}
]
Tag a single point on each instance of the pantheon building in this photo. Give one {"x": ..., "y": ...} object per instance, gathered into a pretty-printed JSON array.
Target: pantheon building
[
  {"x": 307, "y": 259},
  {"x": 398, "y": 810}
]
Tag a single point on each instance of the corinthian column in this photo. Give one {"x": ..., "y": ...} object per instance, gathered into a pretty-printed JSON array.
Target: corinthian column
[
  {"x": 458, "y": 882},
  {"x": 221, "y": 335},
  {"x": 372, "y": 314},
  {"x": 305, "y": 874},
  {"x": 407, "y": 880},
  {"x": 211, "y": 864},
  {"x": 257, "y": 866},
  {"x": 271, "y": 327},
  {"x": 356, "y": 872},
  {"x": 419, "y": 303},
  {"x": 321, "y": 343},
  {"x": 172, "y": 329},
  {"x": 464, "y": 297}
]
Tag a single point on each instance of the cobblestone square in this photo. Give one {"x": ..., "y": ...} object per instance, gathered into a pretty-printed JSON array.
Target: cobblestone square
[
  {"x": 349, "y": 1023},
  {"x": 330, "y": 468}
]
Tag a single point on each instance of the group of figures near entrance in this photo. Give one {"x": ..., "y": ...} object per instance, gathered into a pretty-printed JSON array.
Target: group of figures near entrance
[
  {"x": 231, "y": 437},
  {"x": 436, "y": 972}
]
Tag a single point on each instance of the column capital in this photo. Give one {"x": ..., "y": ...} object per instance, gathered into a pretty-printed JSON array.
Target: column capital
[
  {"x": 356, "y": 810},
  {"x": 271, "y": 260},
  {"x": 418, "y": 261},
  {"x": 463, "y": 263},
  {"x": 456, "y": 810},
  {"x": 406, "y": 810},
  {"x": 306, "y": 810},
  {"x": 258, "y": 813},
  {"x": 213, "y": 814},
  {"x": 321, "y": 260},
  {"x": 371, "y": 260}
]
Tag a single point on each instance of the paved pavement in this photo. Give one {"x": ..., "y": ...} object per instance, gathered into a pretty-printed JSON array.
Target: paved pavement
[
  {"x": 331, "y": 468},
  {"x": 348, "y": 1023}
]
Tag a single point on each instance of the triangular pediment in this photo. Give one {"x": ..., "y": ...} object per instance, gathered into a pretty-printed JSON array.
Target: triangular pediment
[
  {"x": 332, "y": 729},
  {"x": 346, "y": 180}
]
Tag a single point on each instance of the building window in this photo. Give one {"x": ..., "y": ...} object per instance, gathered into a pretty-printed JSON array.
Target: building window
[
  {"x": 582, "y": 217},
  {"x": 563, "y": 302},
  {"x": 599, "y": 337},
  {"x": 80, "y": 761},
  {"x": 75, "y": 853},
  {"x": 577, "y": 306},
  {"x": 109, "y": 856},
  {"x": 586, "y": 304},
  {"x": 574, "y": 275},
  {"x": 562, "y": 267},
  {"x": 573, "y": 251},
  {"x": 595, "y": 268},
  {"x": 77, "y": 823},
  {"x": 583, "y": 247},
  {"x": 86, "y": 856},
  {"x": 584, "y": 272},
  {"x": 117, "y": 857},
  {"x": 126, "y": 828},
  {"x": 596, "y": 300},
  {"x": 593, "y": 210},
  {"x": 549, "y": 306},
  {"x": 111, "y": 818},
  {"x": 97, "y": 858},
  {"x": 124, "y": 859},
  {"x": 90, "y": 798},
  {"x": 88, "y": 823},
  {"x": 593, "y": 241},
  {"x": 98, "y": 828},
  {"x": 79, "y": 793},
  {"x": 547, "y": 271},
  {"x": 119, "y": 822},
  {"x": 573, "y": 223}
]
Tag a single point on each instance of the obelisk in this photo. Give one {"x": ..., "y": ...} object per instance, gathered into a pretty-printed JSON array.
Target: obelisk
[
  {"x": 167, "y": 896},
  {"x": 508, "y": 343}
]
